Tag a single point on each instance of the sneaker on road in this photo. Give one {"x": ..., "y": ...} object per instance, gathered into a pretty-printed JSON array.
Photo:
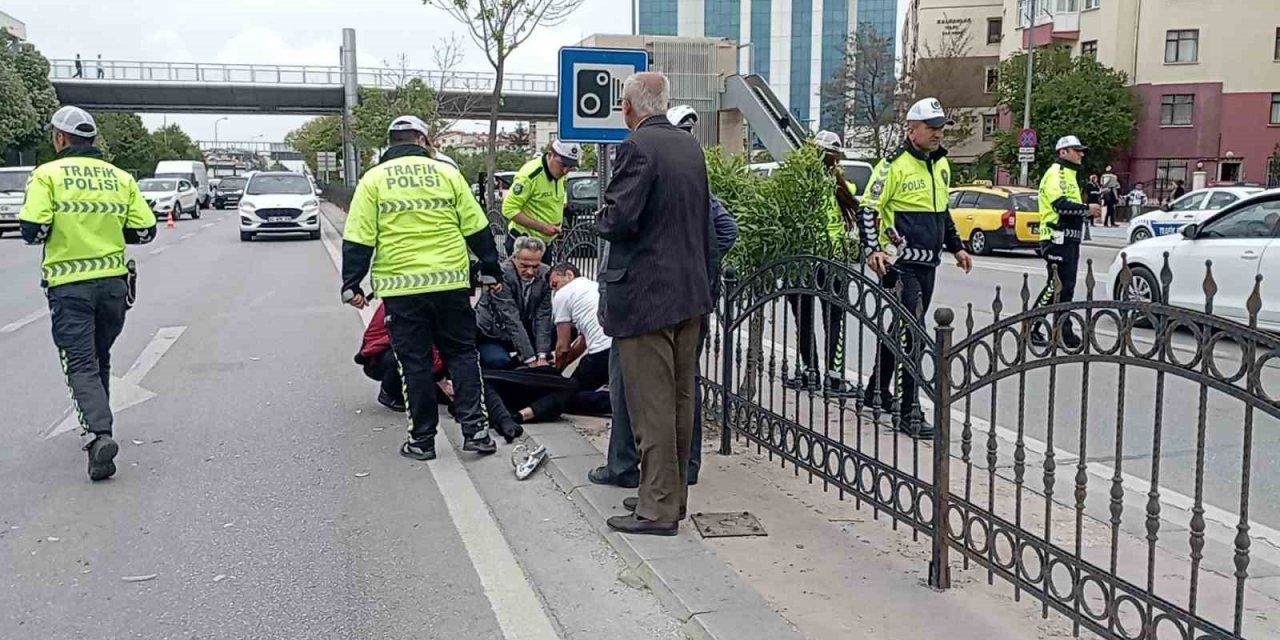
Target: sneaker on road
[
  {"x": 421, "y": 451},
  {"x": 480, "y": 443},
  {"x": 102, "y": 455},
  {"x": 915, "y": 426},
  {"x": 395, "y": 404}
]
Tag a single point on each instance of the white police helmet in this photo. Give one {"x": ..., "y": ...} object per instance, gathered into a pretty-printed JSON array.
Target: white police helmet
[
  {"x": 828, "y": 141},
  {"x": 75, "y": 121},
  {"x": 683, "y": 116}
]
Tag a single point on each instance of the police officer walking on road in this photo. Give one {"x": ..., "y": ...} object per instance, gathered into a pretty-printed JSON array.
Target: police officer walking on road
[
  {"x": 84, "y": 211},
  {"x": 535, "y": 203},
  {"x": 1062, "y": 225},
  {"x": 412, "y": 219},
  {"x": 905, "y": 226}
]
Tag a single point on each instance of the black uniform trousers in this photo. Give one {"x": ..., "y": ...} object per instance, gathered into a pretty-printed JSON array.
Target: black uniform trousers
[
  {"x": 832, "y": 321},
  {"x": 384, "y": 369},
  {"x": 1064, "y": 259},
  {"x": 444, "y": 319},
  {"x": 917, "y": 282},
  {"x": 87, "y": 317}
]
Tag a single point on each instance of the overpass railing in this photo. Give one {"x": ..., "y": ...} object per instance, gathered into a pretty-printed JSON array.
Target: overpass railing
[{"x": 384, "y": 78}]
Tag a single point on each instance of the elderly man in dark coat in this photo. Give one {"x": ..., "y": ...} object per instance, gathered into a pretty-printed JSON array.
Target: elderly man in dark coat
[{"x": 658, "y": 290}]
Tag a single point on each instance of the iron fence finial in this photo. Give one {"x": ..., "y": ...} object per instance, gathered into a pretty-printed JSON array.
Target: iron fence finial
[
  {"x": 1166, "y": 278},
  {"x": 1089, "y": 280},
  {"x": 997, "y": 305},
  {"x": 1254, "y": 304},
  {"x": 1209, "y": 286}
]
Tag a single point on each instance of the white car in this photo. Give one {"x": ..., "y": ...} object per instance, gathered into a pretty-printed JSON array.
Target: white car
[
  {"x": 170, "y": 195},
  {"x": 1194, "y": 207},
  {"x": 855, "y": 171},
  {"x": 279, "y": 202},
  {"x": 13, "y": 193},
  {"x": 1242, "y": 241}
]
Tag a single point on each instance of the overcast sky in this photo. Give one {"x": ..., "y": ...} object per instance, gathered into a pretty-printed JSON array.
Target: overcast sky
[
  {"x": 288, "y": 32},
  {"x": 278, "y": 32}
]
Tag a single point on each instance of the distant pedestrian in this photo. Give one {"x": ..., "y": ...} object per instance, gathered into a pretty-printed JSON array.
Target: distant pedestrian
[
  {"x": 658, "y": 292},
  {"x": 1137, "y": 199},
  {"x": 1179, "y": 190},
  {"x": 101, "y": 74},
  {"x": 79, "y": 67},
  {"x": 1093, "y": 195},
  {"x": 1110, "y": 197}
]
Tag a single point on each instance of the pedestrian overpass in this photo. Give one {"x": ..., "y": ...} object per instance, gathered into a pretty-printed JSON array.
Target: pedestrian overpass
[{"x": 195, "y": 87}]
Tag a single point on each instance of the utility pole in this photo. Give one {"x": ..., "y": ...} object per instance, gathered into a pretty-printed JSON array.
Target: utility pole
[{"x": 1031, "y": 54}]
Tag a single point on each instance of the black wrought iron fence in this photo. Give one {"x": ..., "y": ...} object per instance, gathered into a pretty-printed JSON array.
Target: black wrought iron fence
[
  {"x": 580, "y": 246},
  {"x": 1110, "y": 478}
]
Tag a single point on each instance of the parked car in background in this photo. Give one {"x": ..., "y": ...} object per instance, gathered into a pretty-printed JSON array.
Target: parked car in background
[
  {"x": 279, "y": 202},
  {"x": 1242, "y": 241},
  {"x": 170, "y": 195},
  {"x": 191, "y": 171},
  {"x": 13, "y": 192},
  {"x": 1193, "y": 207},
  {"x": 856, "y": 172},
  {"x": 229, "y": 191},
  {"x": 988, "y": 217},
  {"x": 583, "y": 191}
]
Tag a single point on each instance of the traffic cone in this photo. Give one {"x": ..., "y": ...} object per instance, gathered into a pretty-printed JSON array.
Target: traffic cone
[{"x": 169, "y": 224}]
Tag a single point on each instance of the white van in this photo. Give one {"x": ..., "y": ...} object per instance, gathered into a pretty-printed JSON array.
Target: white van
[
  {"x": 13, "y": 192},
  {"x": 191, "y": 171},
  {"x": 856, "y": 172}
]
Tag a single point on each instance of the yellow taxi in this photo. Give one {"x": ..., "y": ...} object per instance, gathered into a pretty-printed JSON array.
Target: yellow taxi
[{"x": 989, "y": 217}]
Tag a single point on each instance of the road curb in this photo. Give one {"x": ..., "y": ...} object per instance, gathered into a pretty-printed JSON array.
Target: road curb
[{"x": 693, "y": 584}]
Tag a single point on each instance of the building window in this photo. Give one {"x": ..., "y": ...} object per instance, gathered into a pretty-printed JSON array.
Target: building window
[
  {"x": 995, "y": 29},
  {"x": 1277, "y": 58},
  {"x": 1182, "y": 46},
  {"x": 1168, "y": 173},
  {"x": 1089, "y": 49},
  {"x": 1067, "y": 6},
  {"x": 992, "y": 80},
  {"x": 1275, "y": 108},
  {"x": 1175, "y": 109},
  {"x": 989, "y": 126},
  {"x": 1092, "y": 4}
]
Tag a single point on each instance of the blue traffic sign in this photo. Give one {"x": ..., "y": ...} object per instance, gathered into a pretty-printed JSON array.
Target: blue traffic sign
[
  {"x": 1027, "y": 138},
  {"x": 591, "y": 92}
]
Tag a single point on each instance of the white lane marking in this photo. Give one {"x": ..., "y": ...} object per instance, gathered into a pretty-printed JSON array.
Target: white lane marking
[
  {"x": 1224, "y": 533},
  {"x": 1038, "y": 269},
  {"x": 514, "y": 603},
  {"x": 207, "y": 225},
  {"x": 159, "y": 250},
  {"x": 24, "y": 321},
  {"x": 126, "y": 391},
  {"x": 185, "y": 236}
]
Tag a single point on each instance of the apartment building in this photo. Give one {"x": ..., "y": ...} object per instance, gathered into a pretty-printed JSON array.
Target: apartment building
[
  {"x": 955, "y": 47},
  {"x": 1207, "y": 74},
  {"x": 795, "y": 45}
]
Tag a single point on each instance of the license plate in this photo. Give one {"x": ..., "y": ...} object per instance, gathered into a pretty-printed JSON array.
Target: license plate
[
  {"x": 8, "y": 216},
  {"x": 279, "y": 219},
  {"x": 8, "y": 210}
]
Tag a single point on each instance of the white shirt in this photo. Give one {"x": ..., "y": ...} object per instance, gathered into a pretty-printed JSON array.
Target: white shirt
[{"x": 578, "y": 302}]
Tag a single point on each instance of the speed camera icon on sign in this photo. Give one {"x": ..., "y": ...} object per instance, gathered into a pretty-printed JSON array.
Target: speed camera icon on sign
[
  {"x": 599, "y": 93},
  {"x": 589, "y": 105}
]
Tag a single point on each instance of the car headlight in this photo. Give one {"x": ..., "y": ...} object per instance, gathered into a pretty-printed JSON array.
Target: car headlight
[
  {"x": 311, "y": 204},
  {"x": 247, "y": 207}
]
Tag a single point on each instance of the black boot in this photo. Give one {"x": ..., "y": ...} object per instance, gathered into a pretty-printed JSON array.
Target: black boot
[{"x": 102, "y": 455}]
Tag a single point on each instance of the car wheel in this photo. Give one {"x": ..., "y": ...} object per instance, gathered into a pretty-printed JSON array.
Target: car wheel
[
  {"x": 245, "y": 236},
  {"x": 195, "y": 212},
  {"x": 1143, "y": 288},
  {"x": 1139, "y": 234},
  {"x": 978, "y": 244}
]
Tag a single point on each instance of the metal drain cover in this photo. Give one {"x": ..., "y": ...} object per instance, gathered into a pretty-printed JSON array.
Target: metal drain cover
[{"x": 728, "y": 525}]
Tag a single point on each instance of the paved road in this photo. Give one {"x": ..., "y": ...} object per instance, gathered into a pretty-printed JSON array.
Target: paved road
[{"x": 260, "y": 486}]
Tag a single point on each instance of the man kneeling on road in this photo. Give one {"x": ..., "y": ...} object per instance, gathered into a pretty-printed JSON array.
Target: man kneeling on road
[
  {"x": 413, "y": 218},
  {"x": 576, "y": 306},
  {"x": 517, "y": 317}
]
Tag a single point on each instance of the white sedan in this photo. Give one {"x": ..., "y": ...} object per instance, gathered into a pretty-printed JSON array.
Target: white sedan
[
  {"x": 1242, "y": 241},
  {"x": 1194, "y": 207},
  {"x": 170, "y": 196}
]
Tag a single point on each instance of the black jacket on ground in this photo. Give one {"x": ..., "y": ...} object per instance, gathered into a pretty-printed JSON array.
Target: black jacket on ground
[{"x": 655, "y": 219}]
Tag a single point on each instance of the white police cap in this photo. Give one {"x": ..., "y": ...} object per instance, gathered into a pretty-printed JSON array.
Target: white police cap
[
  {"x": 1069, "y": 142},
  {"x": 75, "y": 121},
  {"x": 929, "y": 111},
  {"x": 410, "y": 123}
]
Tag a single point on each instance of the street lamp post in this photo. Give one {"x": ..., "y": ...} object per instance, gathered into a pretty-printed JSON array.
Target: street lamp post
[{"x": 215, "y": 130}]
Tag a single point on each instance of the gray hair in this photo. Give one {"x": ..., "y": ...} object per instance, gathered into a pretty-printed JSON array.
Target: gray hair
[
  {"x": 528, "y": 243},
  {"x": 648, "y": 92}
]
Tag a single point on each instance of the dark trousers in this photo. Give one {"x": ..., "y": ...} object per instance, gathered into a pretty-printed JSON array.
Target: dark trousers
[
  {"x": 494, "y": 354},
  {"x": 917, "y": 294},
  {"x": 591, "y": 374},
  {"x": 444, "y": 319},
  {"x": 1064, "y": 259},
  {"x": 659, "y": 369},
  {"x": 832, "y": 320},
  {"x": 87, "y": 318},
  {"x": 385, "y": 370}
]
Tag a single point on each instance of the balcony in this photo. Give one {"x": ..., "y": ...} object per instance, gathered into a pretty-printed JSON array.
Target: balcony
[{"x": 1058, "y": 27}]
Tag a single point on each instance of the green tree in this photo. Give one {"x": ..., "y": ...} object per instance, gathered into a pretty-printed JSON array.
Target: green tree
[
  {"x": 1070, "y": 96},
  {"x": 519, "y": 139},
  {"x": 316, "y": 135},
  {"x": 125, "y": 142},
  {"x": 378, "y": 107},
  {"x": 590, "y": 158},
  {"x": 172, "y": 143},
  {"x": 862, "y": 94}
]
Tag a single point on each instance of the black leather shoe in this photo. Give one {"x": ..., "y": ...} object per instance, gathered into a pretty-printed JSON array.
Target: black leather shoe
[
  {"x": 631, "y": 503},
  {"x": 394, "y": 404},
  {"x": 102, "y": 455},
  {"x": 916, "y": 427},
  {"x": 633, "y": 523},
  {"x": 602, "y": 475}
]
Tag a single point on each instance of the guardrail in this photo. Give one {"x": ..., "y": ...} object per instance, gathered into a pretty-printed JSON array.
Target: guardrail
[{"x": 383, "y": 78}]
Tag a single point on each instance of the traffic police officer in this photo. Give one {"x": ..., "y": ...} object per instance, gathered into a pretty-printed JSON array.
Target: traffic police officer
[
  {"x": 1062, "y": 225},
  {"x": 905, "y": 226},
  {"x": 413, "y": 218},
  {"x": 84, "y": 211},
  {"x": 536, "y": 201}
]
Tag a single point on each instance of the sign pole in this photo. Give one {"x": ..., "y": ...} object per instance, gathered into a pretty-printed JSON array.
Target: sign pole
[{"x": 1026, "y": 111}]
